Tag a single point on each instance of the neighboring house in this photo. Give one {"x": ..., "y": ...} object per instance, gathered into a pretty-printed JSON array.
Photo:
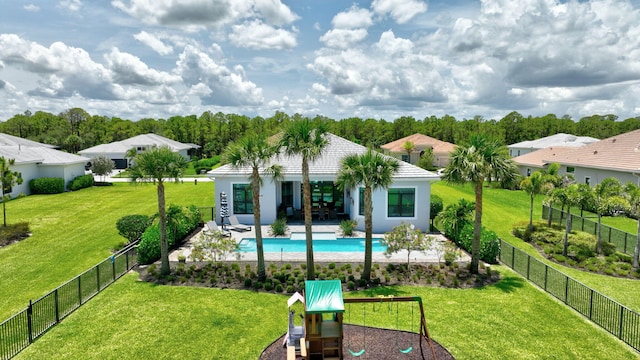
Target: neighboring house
[
  {"x": 617, "y": 156},
  {"x": 441, "y": 149},
  {"x": 407, "y": 199},
  {"x": 35, "y": 160},
  {"x": 557, "y": 140},
  {"x": 117, "y": 150},
  {"x": 539, "y": 159}
]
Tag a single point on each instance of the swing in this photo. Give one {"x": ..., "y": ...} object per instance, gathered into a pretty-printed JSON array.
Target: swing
[
  {"x": 410, "y": 348},
  {"x": 364, "y": 333}
]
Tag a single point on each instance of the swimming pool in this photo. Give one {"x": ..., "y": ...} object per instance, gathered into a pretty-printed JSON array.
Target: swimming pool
[{"x": 289, "y": 245}]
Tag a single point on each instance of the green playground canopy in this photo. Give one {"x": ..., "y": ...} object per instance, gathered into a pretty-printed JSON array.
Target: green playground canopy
[{"x": 322, "y": 296}]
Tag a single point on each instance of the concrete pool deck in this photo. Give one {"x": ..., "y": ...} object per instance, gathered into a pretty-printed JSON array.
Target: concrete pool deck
[{"x": 429, "y": 256}]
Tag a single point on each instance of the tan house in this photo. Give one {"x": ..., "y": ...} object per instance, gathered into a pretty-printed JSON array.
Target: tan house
[
  {"x": 441, "y": 149},
  {"x": 539, "y": 159},
  {"x": 617, "y": 156}
]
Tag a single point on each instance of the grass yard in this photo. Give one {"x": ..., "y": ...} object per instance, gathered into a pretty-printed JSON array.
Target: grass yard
[
  {"x": 132, "y": 319},
  {"x": 503, "y": 208},
  {"x": 73, "y": 232}
]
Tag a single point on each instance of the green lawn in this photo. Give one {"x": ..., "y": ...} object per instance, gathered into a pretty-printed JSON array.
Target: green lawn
[
  {"x": 131, "y": 319},
  {"x": 503, "y": 208},
  {"x": 73, "y": 232}
]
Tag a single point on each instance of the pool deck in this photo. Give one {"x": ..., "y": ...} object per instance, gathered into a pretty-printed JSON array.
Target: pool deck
[{"x": 429, "y": 256}]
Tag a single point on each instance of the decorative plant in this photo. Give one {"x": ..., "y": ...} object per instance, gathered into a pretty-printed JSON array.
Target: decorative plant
[
  {"x": 347, "y": 227},
  {"x": 279, "y": 227},
  {"x": 213, "y": 247}
]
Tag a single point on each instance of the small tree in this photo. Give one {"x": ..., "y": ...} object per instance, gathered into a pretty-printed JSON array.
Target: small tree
[
  {"x": 426, "y": 159},
  {"x": 436, "y": 207},
  {"x": 102, "y": 166},
  {"x": 405, "y": 237},
  {"x": 8, "y": 179},
  {"x": 213, "y": 247}
]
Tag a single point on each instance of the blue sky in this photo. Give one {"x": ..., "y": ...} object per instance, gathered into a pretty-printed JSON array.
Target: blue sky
[{"x": 381, "y": 59}]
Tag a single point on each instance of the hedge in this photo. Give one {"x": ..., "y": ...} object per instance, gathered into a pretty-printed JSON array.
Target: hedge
[
  {"x": 489, "y": 243},
  {"x": 181, "y": 221},
  {"x": 46, "y": 185},
  {"x": 81, "y": 182}
]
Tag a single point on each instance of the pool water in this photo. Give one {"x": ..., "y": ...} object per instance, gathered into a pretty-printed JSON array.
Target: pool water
[{"x": 289, "y": 245}]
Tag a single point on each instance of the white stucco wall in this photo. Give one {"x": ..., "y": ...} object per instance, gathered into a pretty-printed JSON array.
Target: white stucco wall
[
  {"x": 597, "y": 175},
  {"x": 28, "y": 172},
  {"x": 268, "y": 206}
]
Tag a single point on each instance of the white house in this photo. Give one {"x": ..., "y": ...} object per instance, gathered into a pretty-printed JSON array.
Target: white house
[
  {"x": 406, "y": 200},
  {"x": 557, "y": 140},
  {"x": 35, "y": 160},
  {"x": 441, "y": 149},
  {"x": 117, "y": 150}
]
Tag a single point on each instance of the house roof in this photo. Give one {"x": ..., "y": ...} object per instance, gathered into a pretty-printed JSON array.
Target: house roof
[
  {"x": 328, "y": 164},
  {"x": 618, "y": 153},
  {"x": 421, "y": 142},
  {"x": 560, "y": 139},
  {"x": 41, "y": 155},
  {"x": 542, "y": 157},
  {"x": 10, "y": 140},
  {"x": 139, "y": 140}
]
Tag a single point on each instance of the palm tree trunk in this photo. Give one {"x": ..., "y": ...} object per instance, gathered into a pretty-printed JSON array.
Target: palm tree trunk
[
  {"x": 531, "y": 213},
  {"x": 636, "y": 253},
  {"x": 477, "y": 227},
  {"x": 255, "y": 189},
  {"x": 164, "y": 245},
  {"x": 306, "y": 189},
  {"x": 368, "y": 232}
]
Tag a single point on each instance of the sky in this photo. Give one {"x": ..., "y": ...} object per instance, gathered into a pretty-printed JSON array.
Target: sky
[{"x": 379, "y": 59}]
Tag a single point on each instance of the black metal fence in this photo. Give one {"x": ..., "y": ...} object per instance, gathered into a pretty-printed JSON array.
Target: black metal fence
[
  {"x": 20, "y": 330},
  {"x": 207, "y": 214},
  {"x": 623, "y": 241},
  {"x": 617, "y": 319}
]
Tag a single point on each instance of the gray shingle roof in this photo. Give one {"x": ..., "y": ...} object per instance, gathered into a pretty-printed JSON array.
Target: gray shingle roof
[
  {"x": 42, "y": 155},
  {"x": 10, "y": 140},
  {"x": 328, "y": 164}
]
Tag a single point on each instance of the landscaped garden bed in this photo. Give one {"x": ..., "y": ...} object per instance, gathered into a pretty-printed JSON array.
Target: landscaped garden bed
[
  {"x": 581, "y": 254},
  {"x": 289, "y": 277}
]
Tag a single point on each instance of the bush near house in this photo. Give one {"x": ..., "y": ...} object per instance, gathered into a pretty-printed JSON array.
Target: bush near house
[
  {"x": 489, "y": 243},
  {"x": 206, "y": 164},
  {"x": 81, "y": 182},
  {"x": 133, "y": 226},
  {"x": 181, "y": 221},
  {"x": 46, "y": 185}
]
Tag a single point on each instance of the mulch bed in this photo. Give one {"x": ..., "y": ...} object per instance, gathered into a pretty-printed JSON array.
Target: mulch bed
[{"x": 379, "y": 344}]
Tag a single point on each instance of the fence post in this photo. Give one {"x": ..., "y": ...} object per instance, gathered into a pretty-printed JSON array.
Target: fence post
[
  {"x": 513, "y": 256},
  {"x": 528, "y": 266},
  {"x": 98, "y": 276},
  {"x": 30, "y": 321},
  {"x": 55, "y": 299},
  {"x": 126, "y": 257},
  {"x": 621, "y": 322},
  {"x": 113, "y": 266},
  {"x": 566, "y": 289},
  {"x": 546, "y": 272},
  {"x": 625, "y": 241},
  {"x": 591, "y": 304}
]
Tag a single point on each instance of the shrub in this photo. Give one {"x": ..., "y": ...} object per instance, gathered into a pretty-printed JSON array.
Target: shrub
[
  {"x": 268, "y": 286},
  {"x": 247, "y": 283},
  {"x": 489, "y": 243},
  {"x": 351, "y": 285},
  {"x": 347, "y": 227},
  {"x": 81, "y": 182},
  {"x": 46, "y": 185},
  {"x": 290, "y": 289},
  {"x": 257, "y": 285},
  {"x": 279, "y": 227},
  {"x": 132, "y": 227},
  {"x": 279, "y": 288},
  {"x": 180, "y": 223},
  {"x": 206, "y": 164}
]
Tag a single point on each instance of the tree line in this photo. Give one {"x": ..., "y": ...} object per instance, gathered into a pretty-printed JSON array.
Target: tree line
[{"x": 75, "y": 129}]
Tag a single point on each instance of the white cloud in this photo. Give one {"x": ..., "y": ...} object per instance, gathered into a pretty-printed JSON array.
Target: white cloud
[
  {"x": 71, "y": 5},
  {"x": 154, "y": 43},
  {"x": 343, "y": 38},
  {"x": 400, "y": 10},
  {"x": 258, "y": 36},
  {"x": 128, "y": 69},
  {"x": 275, "y": 12},
  {"x": 228, "y": 88},
  {"x": 31, "y": 7},
  {"x": 353, "y": 18}
]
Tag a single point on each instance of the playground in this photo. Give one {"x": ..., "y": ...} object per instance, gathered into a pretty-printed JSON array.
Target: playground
[{"x": 329, "y": 326}]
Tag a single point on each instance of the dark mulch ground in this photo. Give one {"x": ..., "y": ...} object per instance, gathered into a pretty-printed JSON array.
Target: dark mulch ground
[{"x": 379, "y": 344}]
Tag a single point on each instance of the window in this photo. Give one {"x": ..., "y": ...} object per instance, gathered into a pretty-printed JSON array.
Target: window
[
  {"x": 242, "y": 199},
  {"x": 361, "y": 198},
  {"x": 587, "y": 180},
  {"x": 405, "y": 158},
  {"x": 528, "y": 172},
  {"x": 401, "y": 202},
  {"x": 570, "y": 169}
]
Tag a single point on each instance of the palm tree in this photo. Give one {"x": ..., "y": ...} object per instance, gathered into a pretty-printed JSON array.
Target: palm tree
[
  {"x": 308, "y": 139},
  {"x": 374, "y": 171},
  {"x": 632, "y": 192},
  {"x": 158, "y": 164},
  {"x": 254, "y": 151},
  {"x": 606, "y": 197},
  {"x": 474, "y": 162},
  {"x": 455, "y": 217},
  {"x": 570, "y": 196},
  {"x": 536, "y": 183},
  {"x": 408, "y": 147}
]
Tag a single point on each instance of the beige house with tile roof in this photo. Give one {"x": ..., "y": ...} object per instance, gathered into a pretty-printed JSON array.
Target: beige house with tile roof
[
  {"x": 617, "y": 156},
  {"x": 441, "y": 149},
  {"x": 407, "y": 199},
  {"x": 539, "y": 159}
]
